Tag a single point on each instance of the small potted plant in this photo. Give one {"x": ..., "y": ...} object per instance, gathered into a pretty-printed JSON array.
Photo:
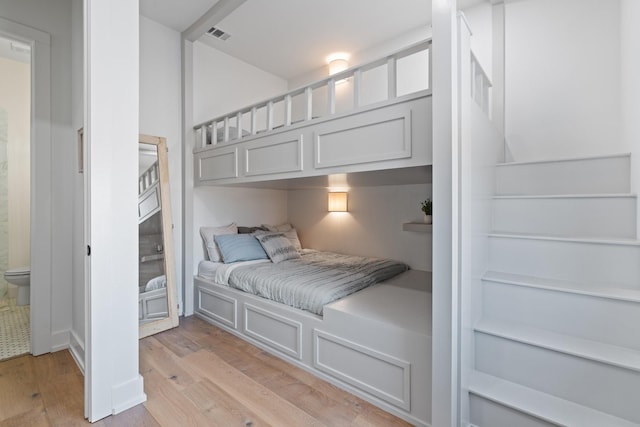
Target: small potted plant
[{"x": 426, "y": 206}]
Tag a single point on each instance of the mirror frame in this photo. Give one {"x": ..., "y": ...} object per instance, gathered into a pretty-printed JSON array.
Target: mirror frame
[{"x": 171, "y": 321}]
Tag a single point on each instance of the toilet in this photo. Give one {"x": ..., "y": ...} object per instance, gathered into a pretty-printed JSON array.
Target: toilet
[{"x": 21, "y": 277}]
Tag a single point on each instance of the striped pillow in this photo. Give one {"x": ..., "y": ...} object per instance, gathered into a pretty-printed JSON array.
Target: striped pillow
[
  {"x": 278, "y": 247},
  {"x": 239, "y": 247}
]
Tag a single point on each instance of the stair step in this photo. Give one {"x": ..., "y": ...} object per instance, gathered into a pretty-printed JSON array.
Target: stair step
[
  {"x": 597, "y": 174},
  {"x": 588, "y": 289},
  {"x": 587, "y": 215},
  {"x": 538, "y": 404},
  {"x": 608, "y": 262},
  {"x": 542, "y": 362},
  {"x": 607, "y": 315},
  {"x": 599, "y": 352}
]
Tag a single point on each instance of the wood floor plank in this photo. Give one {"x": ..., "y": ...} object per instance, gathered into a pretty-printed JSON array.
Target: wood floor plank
[
  {"x": 215, "y": 403},
  {"x": 138, "y": 416},
  {"x": 176, "y": 341},
  {"x": 154, "y": 355},
  {"x": 268, "y": 405},
  {"x": 32, "y": 418},
  {"x": 168, "y": 405},
  {"x": 19, "y": 391}
]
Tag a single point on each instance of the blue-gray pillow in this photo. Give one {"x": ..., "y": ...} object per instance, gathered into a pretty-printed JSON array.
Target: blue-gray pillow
[
  {"x": 278, "y": 247},
  {"x": 239, "y": 247}
]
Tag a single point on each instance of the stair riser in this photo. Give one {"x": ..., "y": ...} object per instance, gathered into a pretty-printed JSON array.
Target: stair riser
[
  {"x": 600, "y": 386},
  {"x": 599, "y": 319},
  {"x": 588, "y": 176},
  {"x": 585, "y": 217},
  {"x": 485, "y": 413},
  {"x": 607, "y": 264}
]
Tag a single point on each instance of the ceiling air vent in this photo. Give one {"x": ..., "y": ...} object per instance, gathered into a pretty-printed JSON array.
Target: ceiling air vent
[{"x": 218, "y": 33}]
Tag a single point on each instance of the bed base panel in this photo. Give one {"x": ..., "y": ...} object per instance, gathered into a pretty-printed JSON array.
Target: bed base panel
[{"x": 395, "y": 378}]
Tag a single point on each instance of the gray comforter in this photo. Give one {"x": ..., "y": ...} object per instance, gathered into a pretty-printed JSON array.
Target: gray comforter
[{"x": 315, "y": 279}]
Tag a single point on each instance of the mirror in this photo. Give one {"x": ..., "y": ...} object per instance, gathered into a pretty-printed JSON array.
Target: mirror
[{"x": 157, "y": 306}]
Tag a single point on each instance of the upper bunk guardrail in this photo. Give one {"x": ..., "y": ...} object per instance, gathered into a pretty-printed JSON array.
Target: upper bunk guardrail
[
  {"x": 480, "y": 86},
  {"x": 231, "y": 127},
  {"x": 148, "y": 178}
]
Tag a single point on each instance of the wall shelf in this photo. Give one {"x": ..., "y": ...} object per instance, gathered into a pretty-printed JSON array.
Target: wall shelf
[{"x": 420, "y": 227}]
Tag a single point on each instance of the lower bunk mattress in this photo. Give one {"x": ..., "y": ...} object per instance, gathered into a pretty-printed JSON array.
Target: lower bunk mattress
[{"x": 309, "y": 282}]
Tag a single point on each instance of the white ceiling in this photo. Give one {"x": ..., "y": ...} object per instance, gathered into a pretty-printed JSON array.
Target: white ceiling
[{"x": 291, "y": 37}]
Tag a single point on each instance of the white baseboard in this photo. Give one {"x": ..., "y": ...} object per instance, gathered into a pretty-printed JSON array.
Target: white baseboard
[
  {"x": 76, "y": 348},
  {"x": 128, "y": 394},
  {"x": 59, "y": 340}
]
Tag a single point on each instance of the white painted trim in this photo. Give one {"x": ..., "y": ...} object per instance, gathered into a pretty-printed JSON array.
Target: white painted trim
[
  {"x": 128, "y": 394},
  {"x": 445, "y": 364},
  {"x": 566, "y": 159},
  {"x": 188, "y": 145},
  {"x": 569, "y": 196},
  {"x": 41, "y": 179},
  {"x": 76, "y": 348},
  {"x": 403, "y": 402},
  {"x": 295, "y": 352},
  {"x": 60, "y": 340},
  {"x": 594, "y": 241}
]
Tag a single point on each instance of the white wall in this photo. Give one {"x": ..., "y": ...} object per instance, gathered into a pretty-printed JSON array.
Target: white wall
[
  {"x": 562, "y": 78},
  {"x": 161, "y": 112},
  {"x": 216, "y": 206},
  {"x": 372, "y": 227},
  {"x": 222, "y": 83},
  {"x": 54, "y": 17},
  {"x": 630, "y": 70},
  {"x": 480, "y": 21}
]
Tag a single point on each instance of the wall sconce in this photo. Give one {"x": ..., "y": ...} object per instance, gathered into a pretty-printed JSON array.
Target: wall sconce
[
  {"x": 338, "y": 62},
  {"x": 337, "y": 65},
  {"x": 338, "y": 202}
]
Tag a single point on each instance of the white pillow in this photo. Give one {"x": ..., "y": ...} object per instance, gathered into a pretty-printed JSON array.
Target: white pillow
[
  {"x": 208, "y": 234},
  {"x": 281, "y": 227}
]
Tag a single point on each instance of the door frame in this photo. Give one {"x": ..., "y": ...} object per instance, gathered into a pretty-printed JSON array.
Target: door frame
[{"x": 41, "y": 168}]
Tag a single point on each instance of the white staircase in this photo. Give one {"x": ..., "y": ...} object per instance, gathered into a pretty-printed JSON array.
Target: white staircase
[{"x": 558, "y": 341}]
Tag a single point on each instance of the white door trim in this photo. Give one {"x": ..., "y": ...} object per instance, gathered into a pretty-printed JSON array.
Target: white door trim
[{"x": 41, "y": 235}]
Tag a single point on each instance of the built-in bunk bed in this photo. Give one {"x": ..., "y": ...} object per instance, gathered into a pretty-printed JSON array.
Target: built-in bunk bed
[
  {"x": 375, "y": 342},
  {"x": 152, "y": 282}
]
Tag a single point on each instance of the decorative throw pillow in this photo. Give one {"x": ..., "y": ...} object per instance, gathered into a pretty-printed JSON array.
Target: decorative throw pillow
[
  {"x": 239, "y": 247},
  {"x": 292, "y": 235},
  {"x": 281, "y": 227},
  {"x": 278, "y": 247},
  {"x": 208, "y": 234}
]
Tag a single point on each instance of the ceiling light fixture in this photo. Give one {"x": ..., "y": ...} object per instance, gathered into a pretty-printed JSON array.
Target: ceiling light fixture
[{"x": 338, "y": 62}]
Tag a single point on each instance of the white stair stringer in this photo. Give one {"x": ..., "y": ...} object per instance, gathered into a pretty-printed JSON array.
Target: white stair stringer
[
  {"x": 612, "y": 262},
  {"x": 591, "y": 175},
  {"x": 598, "y": 313},
  {"x": 591, "y": 374},
  {"x": 537, "y": 408},
  {"x": 586, "y": 215}
]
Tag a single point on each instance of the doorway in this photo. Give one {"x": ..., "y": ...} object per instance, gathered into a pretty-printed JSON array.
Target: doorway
[{"x": 15, "y": 193}]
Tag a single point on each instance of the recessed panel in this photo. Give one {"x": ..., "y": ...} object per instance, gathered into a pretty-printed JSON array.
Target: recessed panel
[
  {"x": 218, "y": 165},
  {"x": 282, "y": 156},
  {"x": 278, "y": 332},
  {"x": 217, "y": 307}
]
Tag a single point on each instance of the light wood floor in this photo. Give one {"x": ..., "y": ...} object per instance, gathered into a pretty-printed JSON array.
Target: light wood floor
[{"x": 194, "y": 375}]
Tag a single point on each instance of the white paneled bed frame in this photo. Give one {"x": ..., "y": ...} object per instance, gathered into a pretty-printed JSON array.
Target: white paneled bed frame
[
  {"x": 375, "y": 343},
  {"x": 286, "y": 137}
]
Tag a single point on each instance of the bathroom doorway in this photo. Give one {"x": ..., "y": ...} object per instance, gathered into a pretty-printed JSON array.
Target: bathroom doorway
[{"x": 15, "y": 195}]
